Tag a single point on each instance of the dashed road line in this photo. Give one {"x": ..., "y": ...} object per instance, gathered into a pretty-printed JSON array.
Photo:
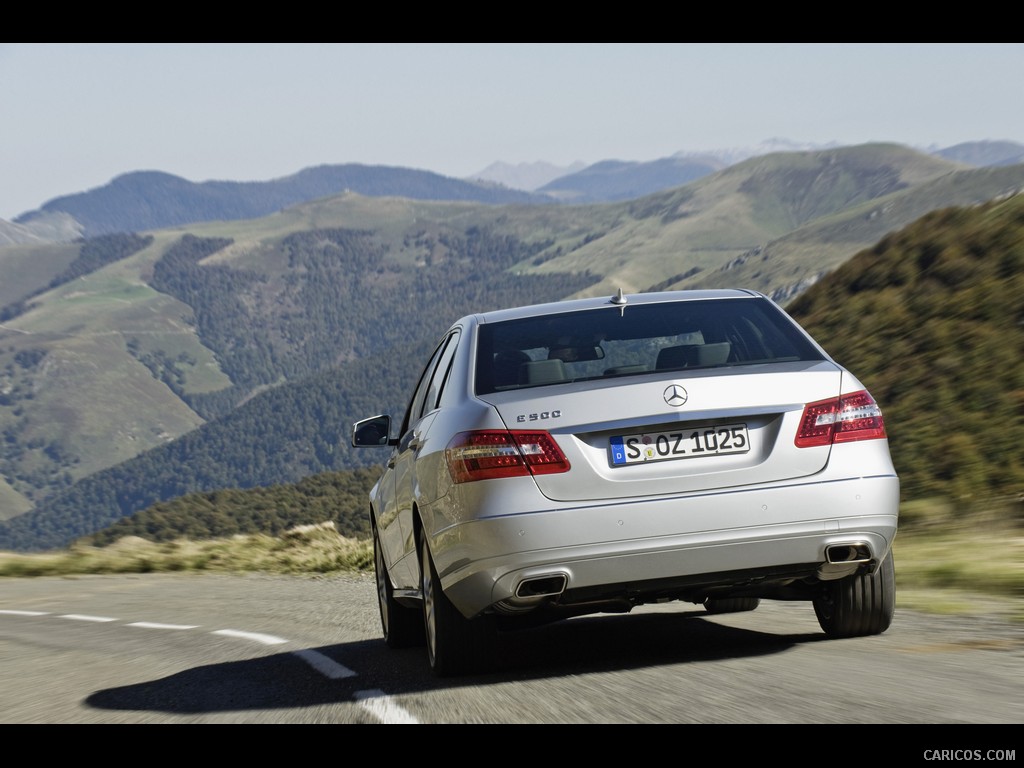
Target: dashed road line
[
  {"x": 375, "y": 701},
  {"x": 324, "y": 665},
  {"x": 381, "y": 706},
  {"x": 256, "y": 636},
  {"x": 154, "y": 625}
]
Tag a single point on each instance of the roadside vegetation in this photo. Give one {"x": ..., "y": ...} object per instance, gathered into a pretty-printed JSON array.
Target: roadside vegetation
[
  {"x": 948, "y": 561},
  {"x": 965, "y": 559},
  {"x": 306, "y": 549}
]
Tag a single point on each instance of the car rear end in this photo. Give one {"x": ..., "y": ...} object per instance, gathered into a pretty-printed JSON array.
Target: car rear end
[{"x": 682, "y": 448}]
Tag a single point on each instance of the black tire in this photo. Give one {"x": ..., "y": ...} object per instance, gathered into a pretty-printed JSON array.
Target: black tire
[
  {"x": 858, "y": 605},
  {"x": 455, "y": 645},
  {"x": 730, "y": 604},
  {"x": 402, "y": 626}
]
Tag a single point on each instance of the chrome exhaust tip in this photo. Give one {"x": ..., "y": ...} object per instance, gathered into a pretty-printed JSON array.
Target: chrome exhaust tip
[
  {"x": 855, "y": 552},
  {"x": 542, "y": 586}
]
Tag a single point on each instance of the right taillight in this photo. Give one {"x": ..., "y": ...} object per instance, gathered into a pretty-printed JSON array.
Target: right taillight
[
  {"x": 840, "y": 420},
  {"x": 490, "y": 454}
]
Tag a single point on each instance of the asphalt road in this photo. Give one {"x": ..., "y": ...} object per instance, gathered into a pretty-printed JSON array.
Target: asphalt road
[{"x": 253, "y": 649}]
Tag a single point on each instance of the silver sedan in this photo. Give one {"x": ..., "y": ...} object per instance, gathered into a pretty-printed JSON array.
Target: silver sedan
[{"x": 593, "y": 455}]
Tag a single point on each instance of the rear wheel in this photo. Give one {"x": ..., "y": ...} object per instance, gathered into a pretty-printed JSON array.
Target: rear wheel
[
  {"x": 455, "y": 645},
  {"x": 858, "y": 605},
  {"x": 402, "y": 626},
  {"x": 730, "y": 604}
]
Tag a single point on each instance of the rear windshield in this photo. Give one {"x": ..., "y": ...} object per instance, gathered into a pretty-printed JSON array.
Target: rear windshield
[{"x": 612, "y": 341}]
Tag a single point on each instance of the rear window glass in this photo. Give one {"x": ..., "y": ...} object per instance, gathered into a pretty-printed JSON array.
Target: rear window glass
[{"x": 612, "y": 341}]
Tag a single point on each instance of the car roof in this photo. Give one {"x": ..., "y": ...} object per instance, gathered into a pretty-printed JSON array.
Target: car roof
[{"x": 619, "y": 299}]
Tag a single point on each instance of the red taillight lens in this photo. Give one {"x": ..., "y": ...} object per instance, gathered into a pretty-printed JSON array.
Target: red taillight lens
[
  {"x": 840, "y": 420},
  {"x": 490, "y": 454}
]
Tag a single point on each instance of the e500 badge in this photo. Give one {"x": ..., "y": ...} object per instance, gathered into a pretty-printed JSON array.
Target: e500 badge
[{"x": 543, "y": 415}]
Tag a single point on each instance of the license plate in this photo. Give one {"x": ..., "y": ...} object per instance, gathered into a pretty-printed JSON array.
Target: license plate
[{"x": 689, "y": 443}]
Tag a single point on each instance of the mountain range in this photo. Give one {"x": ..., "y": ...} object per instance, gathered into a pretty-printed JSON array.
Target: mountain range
[
  {"x": 141, "y": 363},
  {"x": 144, "y": 200}
]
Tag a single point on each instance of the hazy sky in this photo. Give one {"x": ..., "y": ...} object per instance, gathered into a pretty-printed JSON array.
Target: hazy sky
[{"x": 76, "y": 115}]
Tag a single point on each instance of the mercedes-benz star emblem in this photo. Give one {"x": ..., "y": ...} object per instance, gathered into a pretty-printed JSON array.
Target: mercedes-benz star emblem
[{"x": 675, "y": 395}]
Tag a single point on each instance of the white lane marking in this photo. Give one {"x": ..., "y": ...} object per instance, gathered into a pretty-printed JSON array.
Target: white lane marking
[
  {"x": 375, "y": 702},
  {"x": 324, "y": 665},
  {"x": 265, "y": 639},
  {"x": 381, "y": 706}
]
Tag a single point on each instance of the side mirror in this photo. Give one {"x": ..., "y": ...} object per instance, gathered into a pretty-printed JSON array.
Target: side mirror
[{"x": 373, "y": 431}]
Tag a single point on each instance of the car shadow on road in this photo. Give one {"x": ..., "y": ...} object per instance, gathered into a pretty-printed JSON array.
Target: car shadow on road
[{"x": 574, "y": 647}]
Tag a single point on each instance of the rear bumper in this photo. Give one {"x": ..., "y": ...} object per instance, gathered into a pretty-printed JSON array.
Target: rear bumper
[{"x": 485, "y": 561}]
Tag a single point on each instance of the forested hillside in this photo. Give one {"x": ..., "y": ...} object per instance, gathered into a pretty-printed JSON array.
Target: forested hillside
[
  {"x": 932, "y": 320},
  {"x": 278, "y": 437},
  {"x": 338, "y": 297},
  {"x": 338, "y": 497},
  {"x": 295, "y": 429},
  {"x": 231, "y": 355}
]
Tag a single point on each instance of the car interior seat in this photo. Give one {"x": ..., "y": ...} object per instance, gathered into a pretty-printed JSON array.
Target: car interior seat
[
  {"x": 542, "y": 372},
  {"x": 507, "y": 366},
  {"x": 693, "y": 355}
]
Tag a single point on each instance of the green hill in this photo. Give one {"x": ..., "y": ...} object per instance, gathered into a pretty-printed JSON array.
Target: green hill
[
  {"x": 932, "y": 319},
  {"x": 193, "y": 362}
]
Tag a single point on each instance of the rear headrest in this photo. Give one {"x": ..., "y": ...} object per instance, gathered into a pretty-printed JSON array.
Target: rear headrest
[
  {"x": 542, "y": 372},
  {"x": 711, "y": 354},
  {"x": 674, "y": 357},
  {"x": 692, "y": 355}
]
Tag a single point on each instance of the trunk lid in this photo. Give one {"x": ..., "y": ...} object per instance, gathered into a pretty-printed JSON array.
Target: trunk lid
[{"x": 678, "y": 432}]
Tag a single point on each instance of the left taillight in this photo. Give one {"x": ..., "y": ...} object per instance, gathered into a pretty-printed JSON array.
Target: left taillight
[
  {"x": 840, "y": 420},
  {"x": 490, "y": 454}
]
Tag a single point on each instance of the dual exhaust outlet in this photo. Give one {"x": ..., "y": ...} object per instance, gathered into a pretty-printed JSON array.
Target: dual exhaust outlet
[
  {"x": 856, "y": 552},
  {"x": 555, "y": 584},
  {"x": 542, "y": 586}
]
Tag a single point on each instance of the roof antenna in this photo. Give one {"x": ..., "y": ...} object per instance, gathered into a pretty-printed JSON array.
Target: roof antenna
[{"x": 620, "y": 300}]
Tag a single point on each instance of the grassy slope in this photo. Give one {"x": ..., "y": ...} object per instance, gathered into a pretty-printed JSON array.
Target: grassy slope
[
  {"x": 88, "y": 323},
  {"x": 90, "y": 395},
  {"x": 12, "y": 503},
  {"x": 27, "y": 267},
  {"x": 827, "y": 243}
]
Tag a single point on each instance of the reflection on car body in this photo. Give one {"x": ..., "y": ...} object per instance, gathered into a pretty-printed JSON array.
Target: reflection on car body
[{"x": 597, "y": 454}]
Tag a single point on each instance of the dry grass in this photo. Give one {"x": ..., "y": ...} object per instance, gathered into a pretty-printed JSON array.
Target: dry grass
[
  {"x": 978, "y": 570},
  {"x": 309, "y": 549}
]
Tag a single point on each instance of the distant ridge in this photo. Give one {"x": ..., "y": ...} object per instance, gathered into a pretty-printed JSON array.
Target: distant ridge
[
  {"x": 146, "y": 200},
  {"x": 526, "y": 176},
  {"x": 614, "y": 180},
  {"x": 983, "y": 154}
]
